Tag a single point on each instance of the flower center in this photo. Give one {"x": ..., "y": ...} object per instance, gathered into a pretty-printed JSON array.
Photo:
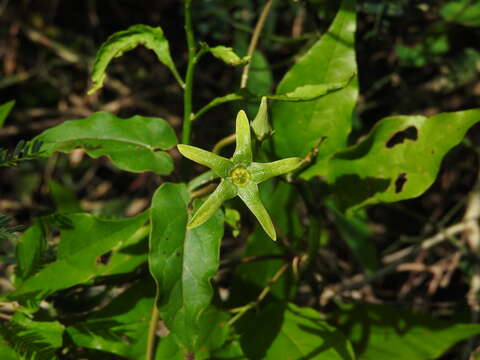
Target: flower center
[{"x": 240, "y": 176}]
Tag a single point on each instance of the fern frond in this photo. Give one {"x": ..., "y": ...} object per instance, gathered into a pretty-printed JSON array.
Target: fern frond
[
  {"x": 24, "y": 150},
  {"x": 8, "y": 232},
  {"x": 28, "y": 343},
  {"x": 107, "y": 329}
]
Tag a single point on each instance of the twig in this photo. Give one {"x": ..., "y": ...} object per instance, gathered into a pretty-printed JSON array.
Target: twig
[
  {"x": 61, "y": 50},
  {"x": 427, "y": 243},
  {"x": 250, "y": 259},
  {"x": 254, "y": 41},
  {"x": 393, "y": 261},
  {"x": 472, "y": 237},
  {"x": 240, "y": 311}
]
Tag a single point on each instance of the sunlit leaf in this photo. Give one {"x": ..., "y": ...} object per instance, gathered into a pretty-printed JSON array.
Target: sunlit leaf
[
  {"x": 389, "y": 332},
  {"x": 31, "y": 339},
  {"x": 132, "y": 144},
  {"x": 292, "y": 333},
  {"x": 80, "y": 246},
  {"x": 299, "y": 126},
  {"x": 465, "y": 12},
  {"x": 182, "y": 263},
  {"x": 399, "y": 159},
  {"x": 228, "y": 56},
  {"x": 310, "y": 92}
]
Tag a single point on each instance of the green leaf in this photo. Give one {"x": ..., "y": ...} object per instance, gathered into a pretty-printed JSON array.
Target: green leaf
[
  {"x": 182, "y": 263},
  {"x": 5, "y": 111},
  {"x": 122, "y": 326},
  {"x": 465, "y": 12},
  {"x": 214, "y": 340},
  {"x": 122, "y": 41},
  {"x": 6, "y": 351},
  {"x": 64, "y": 198},
  {"x": 31, "y": 339},
  {"x": 399, "y": 159},
  {"x": 228, "y": 56},
  {"x": 127, "y": 255},
  {"x": 260, "y": 80},
  {"x": 354, "y": 230},
  {"x": 30, "y": 253},
  {"x": 310, "y": 92},
  {"x": 389, "y": 332},
  {"x": 6, "y": 231},
  {"x": 232, "y": 218},
  {"x": 80, "y": 246},
  {"x": 299, "y": 127},
  {"x": 132, "y": 144},
  {"x": 292, "y": 333}
]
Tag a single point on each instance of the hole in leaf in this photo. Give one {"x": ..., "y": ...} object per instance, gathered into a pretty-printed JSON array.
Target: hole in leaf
[
  {"x": 410, "y": 133},
  {"x": 401, "y": 180}
]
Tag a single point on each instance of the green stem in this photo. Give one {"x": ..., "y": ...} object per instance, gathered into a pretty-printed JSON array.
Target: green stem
[
  {"x": 152, "y": 329},
  {"x": 224, "y": 142},
  {"x": 187, "y": 95}
]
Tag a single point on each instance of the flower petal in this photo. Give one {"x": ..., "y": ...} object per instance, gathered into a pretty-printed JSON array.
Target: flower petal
[
  {"x": 251, "y": 197},
  {"x": 220, "y": 165},
  {"x": 243, "y": 150},
  {"x": 264, "y": 171},
  {"x": 224, "y": 191}
]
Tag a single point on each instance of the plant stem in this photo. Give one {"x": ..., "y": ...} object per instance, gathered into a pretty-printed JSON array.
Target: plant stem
[
  {"x": 187, "y": 94},
  {"x": 152, "y": 329},
  {"x": 230, "y": 139},
  {"x": 207, "y": 189},
  {"x": 243, "y": 309},
  {"x": 254, "y": 41}
]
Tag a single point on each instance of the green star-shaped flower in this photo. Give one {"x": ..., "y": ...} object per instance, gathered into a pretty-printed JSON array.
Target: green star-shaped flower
[{"x": 240, "y": 176}]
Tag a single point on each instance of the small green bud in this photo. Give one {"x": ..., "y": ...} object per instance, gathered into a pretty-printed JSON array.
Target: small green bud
[{"x": 260, "y": 125}]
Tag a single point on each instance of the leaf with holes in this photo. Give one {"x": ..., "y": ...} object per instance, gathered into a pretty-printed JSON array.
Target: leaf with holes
[
  {"x": 133, "y": 144},
  {"x": 81, "y": 244},
  {"x": 399, "y": 159}
]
